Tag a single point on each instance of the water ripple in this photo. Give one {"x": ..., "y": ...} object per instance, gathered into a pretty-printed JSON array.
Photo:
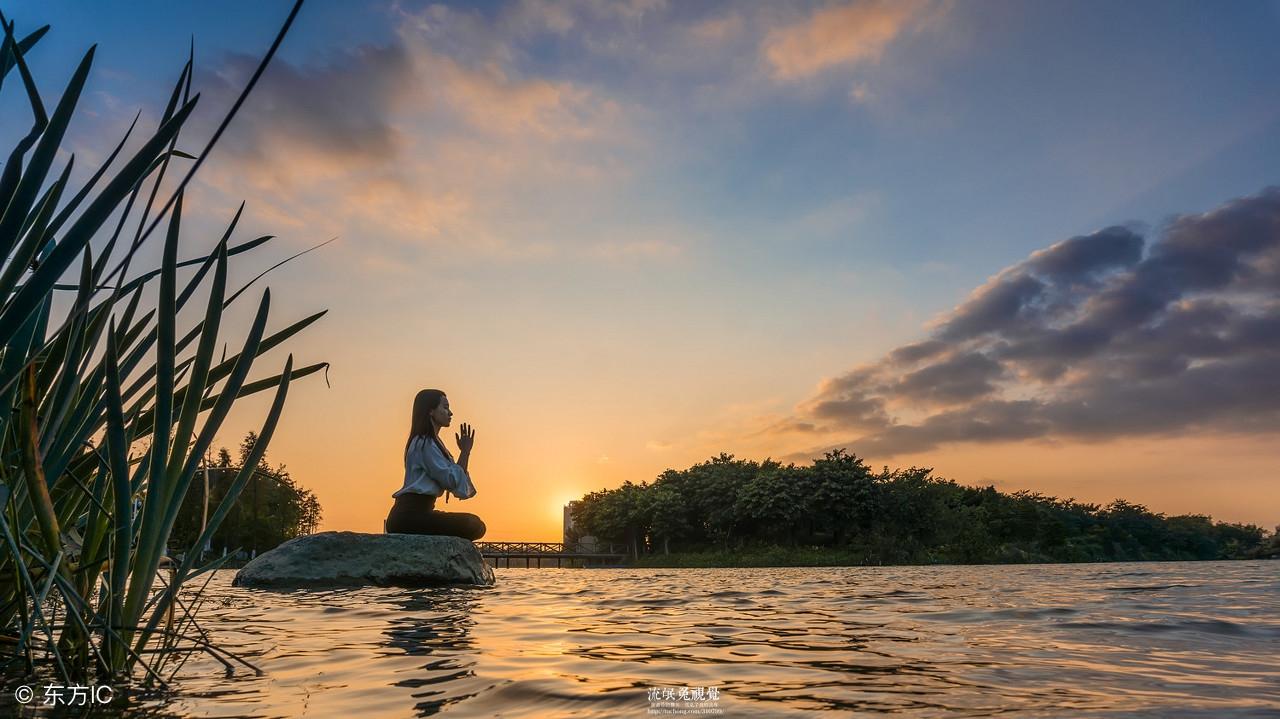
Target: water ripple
[{"x": 1168, "y": 639}]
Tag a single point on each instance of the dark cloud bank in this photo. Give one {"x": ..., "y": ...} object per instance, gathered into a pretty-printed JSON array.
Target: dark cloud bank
[
  {"x": 1097, "y": 337},
  {"x": 342, "y": 106}
]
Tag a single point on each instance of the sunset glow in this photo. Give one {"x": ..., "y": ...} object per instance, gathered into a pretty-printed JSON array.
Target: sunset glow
[{"x": 1022, "y": 245}]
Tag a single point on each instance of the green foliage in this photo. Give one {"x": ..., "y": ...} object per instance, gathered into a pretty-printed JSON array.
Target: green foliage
[
  {"x": 104, "y": 405},
  {"x": 272, "y": 508},
  {"x": 730, "y": 512},
  {"x": 1270, "y": 549},
  {"x": 766, "y": 505}
]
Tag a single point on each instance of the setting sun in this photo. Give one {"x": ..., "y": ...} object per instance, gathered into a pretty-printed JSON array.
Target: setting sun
[{"x": 914, "y": 357}]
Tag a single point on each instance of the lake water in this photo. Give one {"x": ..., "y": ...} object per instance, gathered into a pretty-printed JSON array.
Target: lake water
[{"x": 1149, "y": 639}]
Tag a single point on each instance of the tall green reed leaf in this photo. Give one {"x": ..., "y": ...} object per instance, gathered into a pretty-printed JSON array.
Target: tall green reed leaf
[{"x": 77, "y": 391}]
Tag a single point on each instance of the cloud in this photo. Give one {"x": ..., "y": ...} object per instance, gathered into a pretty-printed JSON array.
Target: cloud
[
  {"x": 962, "y": 377},
  {"x": 622, "y": 251},
  {"x": 492, "y": 131},
  {"x": 434, "y": 143},
  {"x": 718, "y": 29},
  {"x": 1092, "y": 339},
  {"x": 846, "y": 34},
  {"x": 343, "y": 104}
]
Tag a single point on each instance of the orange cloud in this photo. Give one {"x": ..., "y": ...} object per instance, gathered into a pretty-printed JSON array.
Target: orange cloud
[
  {"x": 718, "y": 29},
  {"x": 458, "y": 152},
  {"x": 847, "y": 34}
]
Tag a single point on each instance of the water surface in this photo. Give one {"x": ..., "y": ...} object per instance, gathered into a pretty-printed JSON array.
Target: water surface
[{"x": 1131, "y": 639}]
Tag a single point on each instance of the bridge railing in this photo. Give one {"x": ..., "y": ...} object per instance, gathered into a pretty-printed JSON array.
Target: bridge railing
[{"x": 539, "y": 548}]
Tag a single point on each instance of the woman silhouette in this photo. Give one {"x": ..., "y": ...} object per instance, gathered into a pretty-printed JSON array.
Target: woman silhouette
[{"x": 429, "y": 470}]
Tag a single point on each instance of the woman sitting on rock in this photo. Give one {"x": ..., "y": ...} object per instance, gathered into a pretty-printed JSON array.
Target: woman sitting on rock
[{"x": 429, "y": 470}]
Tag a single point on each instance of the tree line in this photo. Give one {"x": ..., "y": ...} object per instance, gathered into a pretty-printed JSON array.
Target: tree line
[
  {"x": 903, "y": 516},
  {"x": 271, "y": 509}
]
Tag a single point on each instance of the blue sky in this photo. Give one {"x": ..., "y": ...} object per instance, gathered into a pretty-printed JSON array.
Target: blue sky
[{"x": 647, "y": 231}]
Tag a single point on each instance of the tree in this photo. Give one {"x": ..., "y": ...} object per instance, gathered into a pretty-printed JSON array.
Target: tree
[
  {"x": 904, "y": 515},
  {"x": 272, "y": 509},
  {"x": 713, "y": 491},
  {"x": 668, "y": 511},
  {"x": 841, "y": 496},
  {"x": 767, "y": 506}
]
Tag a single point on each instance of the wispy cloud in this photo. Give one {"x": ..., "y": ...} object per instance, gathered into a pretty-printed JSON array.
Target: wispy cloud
[
  {"x": 462, "y": 136},
  {"x": 637, "y": 250},
  {"x": 1092, "y": 338},
  {"x": 846, "y": 34},
  {"x": 406, "y": 143}
]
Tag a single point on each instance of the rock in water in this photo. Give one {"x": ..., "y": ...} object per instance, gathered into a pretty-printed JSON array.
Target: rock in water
[{"x": 352, "y": 559}]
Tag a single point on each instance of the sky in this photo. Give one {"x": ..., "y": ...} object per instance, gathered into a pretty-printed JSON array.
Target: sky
[{"x": 1031, "y": 245}]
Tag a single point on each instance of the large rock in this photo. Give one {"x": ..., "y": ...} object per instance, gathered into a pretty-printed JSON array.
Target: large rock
[{"x": 351, "y": 559}]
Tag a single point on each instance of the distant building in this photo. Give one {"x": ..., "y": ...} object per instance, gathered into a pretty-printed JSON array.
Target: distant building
[
  {"x": 571, "y": 539},
  {"x": 568, "y": 523}
]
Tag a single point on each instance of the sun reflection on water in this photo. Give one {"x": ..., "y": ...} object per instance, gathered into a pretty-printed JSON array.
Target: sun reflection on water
[{"x": 1103, "y": 640}]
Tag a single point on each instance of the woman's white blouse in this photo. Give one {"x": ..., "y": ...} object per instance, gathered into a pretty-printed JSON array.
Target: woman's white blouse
[{"x": 428, "y": 471}]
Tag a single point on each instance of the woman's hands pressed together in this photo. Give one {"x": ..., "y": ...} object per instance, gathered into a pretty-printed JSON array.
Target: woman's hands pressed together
[{"x": 466, "y": 438}]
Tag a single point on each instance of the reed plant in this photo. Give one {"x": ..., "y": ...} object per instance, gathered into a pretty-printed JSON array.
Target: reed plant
[{"x": 107, "y": 403}]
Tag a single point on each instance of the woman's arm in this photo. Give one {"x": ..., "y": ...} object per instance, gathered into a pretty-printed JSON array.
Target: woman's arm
[{"x": 449, "y": 475}]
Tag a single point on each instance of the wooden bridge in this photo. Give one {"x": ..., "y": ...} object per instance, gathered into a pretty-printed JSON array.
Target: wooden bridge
[{"x": 535, "y": 553}]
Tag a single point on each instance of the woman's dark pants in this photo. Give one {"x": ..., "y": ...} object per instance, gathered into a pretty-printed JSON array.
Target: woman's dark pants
[{"x": 415, "y": 514}]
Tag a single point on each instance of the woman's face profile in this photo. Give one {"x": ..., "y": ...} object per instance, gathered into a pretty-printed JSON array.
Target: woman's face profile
[{"x": 442, "y": 415}]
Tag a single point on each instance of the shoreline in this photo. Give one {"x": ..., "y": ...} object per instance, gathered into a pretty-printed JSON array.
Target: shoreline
[{"x": 790, "y": 557}]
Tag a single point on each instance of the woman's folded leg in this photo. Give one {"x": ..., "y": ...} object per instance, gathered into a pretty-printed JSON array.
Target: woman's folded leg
[
  {"x": 414, "y": 514},
  {"x": 453, "y": 524}
]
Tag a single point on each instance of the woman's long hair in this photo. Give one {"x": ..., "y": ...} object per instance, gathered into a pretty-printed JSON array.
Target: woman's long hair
[{"x": 420, "y": 426}]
